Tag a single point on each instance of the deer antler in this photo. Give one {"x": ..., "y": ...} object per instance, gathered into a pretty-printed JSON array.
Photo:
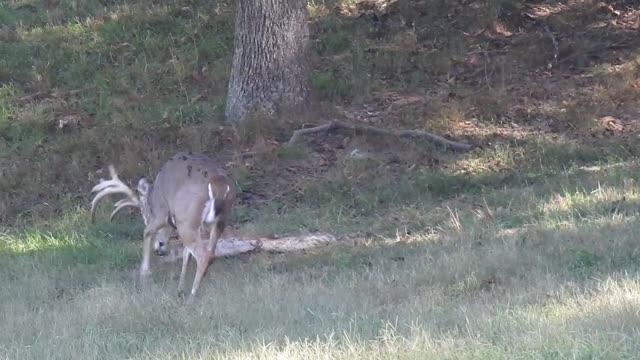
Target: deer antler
[
  {"x": 123, "y": 204},
  {"x": 113, "y": 186}
]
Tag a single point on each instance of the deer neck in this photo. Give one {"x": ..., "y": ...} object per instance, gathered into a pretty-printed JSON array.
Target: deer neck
[{"x": 146, "y": 206}]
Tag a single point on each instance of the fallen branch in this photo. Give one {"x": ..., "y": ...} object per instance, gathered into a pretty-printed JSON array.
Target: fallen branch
[
  {"x": 236, "y": 246},
  {"x": 336, "y": 124},
  {"x": 295, "y": 243},
  {"x": 45, "y": 94}
]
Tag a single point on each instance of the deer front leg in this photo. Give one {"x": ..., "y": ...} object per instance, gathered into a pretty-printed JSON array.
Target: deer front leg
[
  {"x": 145, "y": 270},
  {"x": 185, "y": 261},
  {"x": 149, "y": 233}
]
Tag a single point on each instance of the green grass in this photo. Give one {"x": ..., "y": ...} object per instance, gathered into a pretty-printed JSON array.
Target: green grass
[
  {"x": 561, "y": 281},
  {"x": 524, "y": 248},
  {"x": 542, "y": 268}
]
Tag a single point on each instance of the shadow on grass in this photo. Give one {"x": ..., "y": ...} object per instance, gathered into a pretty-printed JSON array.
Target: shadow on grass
[{"x": 383, "y": 196}]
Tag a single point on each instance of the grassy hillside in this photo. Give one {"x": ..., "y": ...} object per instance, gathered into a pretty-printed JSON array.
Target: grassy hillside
[{"x": 525, "y": 247}]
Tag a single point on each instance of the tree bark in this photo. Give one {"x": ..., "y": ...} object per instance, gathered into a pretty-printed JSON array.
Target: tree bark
[{"x": 270, "y": 71}]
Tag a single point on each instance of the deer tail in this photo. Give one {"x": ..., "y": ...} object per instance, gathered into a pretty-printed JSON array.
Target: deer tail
[{"x": 210, "y": 211}]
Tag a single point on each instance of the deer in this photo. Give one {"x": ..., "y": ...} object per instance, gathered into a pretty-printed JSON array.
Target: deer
[{"x": 191, "y": 194}]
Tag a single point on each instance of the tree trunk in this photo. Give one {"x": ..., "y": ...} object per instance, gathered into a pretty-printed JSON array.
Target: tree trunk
[{"x": 270, "y": 72}]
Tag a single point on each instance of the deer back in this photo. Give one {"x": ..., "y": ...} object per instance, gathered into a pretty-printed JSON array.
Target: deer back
[{"x": 181, "y": 187}]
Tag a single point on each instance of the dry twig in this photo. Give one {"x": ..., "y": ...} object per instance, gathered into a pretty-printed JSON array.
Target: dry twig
[{"x": 556, "y": 50}]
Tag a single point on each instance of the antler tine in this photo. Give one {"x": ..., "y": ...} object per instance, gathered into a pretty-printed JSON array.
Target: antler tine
[
  {"x": 127, "y": 202},
  {"x": 103, "y": 193},
  {"x": 114, "y": 181},
  {"x": 121, "y": 204},
  {"x": 113, "y": 186},
  {"x": 102, "y": 183}
]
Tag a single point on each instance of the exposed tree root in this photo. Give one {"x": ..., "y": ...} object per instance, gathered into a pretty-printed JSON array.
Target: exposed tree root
[{"x": 336, "y": 124}]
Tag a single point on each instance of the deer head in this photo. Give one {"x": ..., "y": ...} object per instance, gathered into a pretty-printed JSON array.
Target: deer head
[{"x": 116, "y": 186}]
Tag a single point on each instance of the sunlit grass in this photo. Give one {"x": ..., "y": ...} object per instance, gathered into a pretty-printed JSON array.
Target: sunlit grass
[
  {"x": 585, "y": 203},
  {"x": 36, "y": 241}
]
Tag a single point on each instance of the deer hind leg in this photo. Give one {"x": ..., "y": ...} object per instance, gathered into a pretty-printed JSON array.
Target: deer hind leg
[
  {"x": 214, "y": 235},
  {"x": 203, "y": 257},
  {"x": 193, "y": 246},
  {"x": 202, "y": 264}
]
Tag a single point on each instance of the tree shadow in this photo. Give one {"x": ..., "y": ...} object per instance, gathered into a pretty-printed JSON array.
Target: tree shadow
[{"x": 403, "y": 191}]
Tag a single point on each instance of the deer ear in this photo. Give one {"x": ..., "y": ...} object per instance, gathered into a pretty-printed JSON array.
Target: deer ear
[{"x": 144, "y": 185}]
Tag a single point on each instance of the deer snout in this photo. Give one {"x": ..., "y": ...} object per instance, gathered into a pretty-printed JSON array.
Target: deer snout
[{"x": 160, "y": 248}]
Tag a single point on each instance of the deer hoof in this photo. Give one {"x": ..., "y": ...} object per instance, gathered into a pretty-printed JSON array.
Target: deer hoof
[
  {"x": 145, "y": 280},
  {"x": 190, "y": 300},
  {"x": 145, "y": 276}
]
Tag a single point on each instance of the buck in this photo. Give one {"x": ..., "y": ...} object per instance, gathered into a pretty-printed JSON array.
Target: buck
[{"x": 191, "y": 194}]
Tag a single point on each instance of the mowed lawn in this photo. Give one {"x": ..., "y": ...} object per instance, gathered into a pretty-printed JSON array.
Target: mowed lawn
[{"x": 547, "y": 270}]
